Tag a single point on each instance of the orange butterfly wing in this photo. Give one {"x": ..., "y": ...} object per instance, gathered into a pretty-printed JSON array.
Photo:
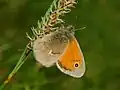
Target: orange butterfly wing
[{"x": 72, "y": 60}]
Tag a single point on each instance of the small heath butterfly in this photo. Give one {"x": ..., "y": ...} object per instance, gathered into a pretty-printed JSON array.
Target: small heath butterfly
[{"x": 60, "y": 47}]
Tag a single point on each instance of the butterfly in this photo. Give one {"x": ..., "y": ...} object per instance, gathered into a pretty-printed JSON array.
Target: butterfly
[{"x": 60, "y": 48}]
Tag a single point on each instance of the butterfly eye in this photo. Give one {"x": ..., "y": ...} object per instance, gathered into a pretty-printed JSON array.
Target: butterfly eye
[{"x": 76, "y": 65}]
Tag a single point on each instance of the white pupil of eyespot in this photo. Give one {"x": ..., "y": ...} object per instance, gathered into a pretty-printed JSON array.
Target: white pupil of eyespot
[{"x": 76, "y": 65}]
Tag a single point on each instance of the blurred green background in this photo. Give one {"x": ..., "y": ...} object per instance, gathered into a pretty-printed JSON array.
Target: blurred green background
[{"x": 100, "y": 43}]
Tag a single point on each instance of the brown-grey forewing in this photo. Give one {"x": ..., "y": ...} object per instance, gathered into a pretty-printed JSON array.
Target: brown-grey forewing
[{"x": 48, "y": 49}]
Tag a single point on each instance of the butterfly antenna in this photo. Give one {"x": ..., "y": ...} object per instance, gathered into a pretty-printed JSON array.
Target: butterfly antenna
[{"x": 79, "y": 29}]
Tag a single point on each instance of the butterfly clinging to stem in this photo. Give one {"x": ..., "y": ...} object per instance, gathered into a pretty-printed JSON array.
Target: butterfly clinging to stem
[{"x": 54, "y": 43}]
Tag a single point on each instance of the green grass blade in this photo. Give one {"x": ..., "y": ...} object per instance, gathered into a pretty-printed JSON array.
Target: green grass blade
[{"x": 21, "y": 61}]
